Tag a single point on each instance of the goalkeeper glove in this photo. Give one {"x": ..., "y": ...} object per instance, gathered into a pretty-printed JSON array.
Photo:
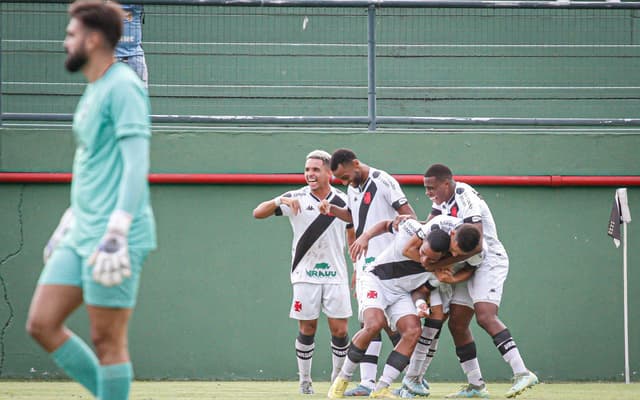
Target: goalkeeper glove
[
  {"x": 110, "y": 261},
  {"x": 63, "y": 227}
]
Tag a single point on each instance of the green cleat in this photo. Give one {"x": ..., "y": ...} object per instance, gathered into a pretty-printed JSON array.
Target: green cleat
[
  {"x": 339, "y": 385},
  {"x": 522, "y": 382},
  {"x": 470, "y": 391}
]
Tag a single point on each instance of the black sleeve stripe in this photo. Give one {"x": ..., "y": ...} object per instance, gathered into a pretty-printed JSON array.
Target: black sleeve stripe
[
  {"x": 349, "y": 226},
  {"x": 435, "y": 212},
  {"x": 278, "y": 211},
  {"x": 399, "y": 203},
  {"x": 390, "y": 227},
  {"x": 472, "y": 220}
]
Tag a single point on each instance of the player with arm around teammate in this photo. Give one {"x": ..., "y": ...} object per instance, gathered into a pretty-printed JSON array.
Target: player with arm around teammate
[
  {"x": 482, "y": 294},
  {"x": 319, "y": 269},
  {"x": 387, "y": 284},
  {"x": 374, "y": 196},
  {"x": 463, "y": 239},
  {"x": 95, "y": 255}
]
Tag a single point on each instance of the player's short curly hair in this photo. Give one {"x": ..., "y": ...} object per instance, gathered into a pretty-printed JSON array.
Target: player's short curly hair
[
  {"x": 439, "y": 240},
  {"x": 440, "y": 171},
  {"x": 97, "y": 15},
  {"x": 340, "y": 157},
  {"x": 467, "y": 237}
]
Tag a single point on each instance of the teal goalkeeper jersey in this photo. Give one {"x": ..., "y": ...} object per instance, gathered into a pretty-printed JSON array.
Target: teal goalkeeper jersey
[{"x": 114, "y": 107}]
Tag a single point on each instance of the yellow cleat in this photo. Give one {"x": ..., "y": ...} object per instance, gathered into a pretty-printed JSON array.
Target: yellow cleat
[
  {"x": 384, "y": 393},
  {"x": 339, "y": 385}
]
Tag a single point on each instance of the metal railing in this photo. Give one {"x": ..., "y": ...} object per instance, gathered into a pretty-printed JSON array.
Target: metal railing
[{"x": 372, "y": 120}]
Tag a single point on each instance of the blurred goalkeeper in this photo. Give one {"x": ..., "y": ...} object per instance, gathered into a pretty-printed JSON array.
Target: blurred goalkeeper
[{"x": 95, "y": 255}]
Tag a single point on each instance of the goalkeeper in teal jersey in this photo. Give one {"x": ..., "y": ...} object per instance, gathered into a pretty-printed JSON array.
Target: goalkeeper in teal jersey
[{"x": 95, "y": 255}]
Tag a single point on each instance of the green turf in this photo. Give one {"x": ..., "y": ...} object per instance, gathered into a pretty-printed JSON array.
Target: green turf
[{"x": 288, "y": 390}]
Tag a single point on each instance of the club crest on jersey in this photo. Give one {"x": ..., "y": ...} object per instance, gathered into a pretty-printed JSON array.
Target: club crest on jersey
[
  {"x": 297, "y": 306},
  {"x": 372, "y": 294},
  {"x": 367, "y": 198},
  {"x": 459, "y": 190}
]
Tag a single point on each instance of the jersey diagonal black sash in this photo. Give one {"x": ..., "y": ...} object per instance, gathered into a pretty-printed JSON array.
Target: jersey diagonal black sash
[
  {"x": 313, "y": 232},
  {"x": 368, "y": 195},
  {"x": 397, "y": 269}
]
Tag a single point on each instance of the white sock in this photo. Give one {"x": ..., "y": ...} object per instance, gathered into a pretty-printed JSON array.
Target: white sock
[
  {"x": 304, "y": 354},
  {"x": 396, "y": 362},
  {"x": 432, "y": 352},
  {"x": 510, "y": 353},
  {"x": 471, "y": 368},
  {"x": 339, "y": 348},
  {"x": 369, "y": 365}
]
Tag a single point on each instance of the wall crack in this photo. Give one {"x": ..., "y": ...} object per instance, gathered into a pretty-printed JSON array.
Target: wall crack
[{"x": 3, "y": 283}]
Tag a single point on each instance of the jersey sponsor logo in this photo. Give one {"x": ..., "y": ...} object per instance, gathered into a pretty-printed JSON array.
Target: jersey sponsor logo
[
  {"x": 310, "y": 207},
  {"x": 314, "y": 273},
  {"x": 372, "y": 294},
  {"x": 319, "y": 271},
  {"x": 297, "y": 306}
]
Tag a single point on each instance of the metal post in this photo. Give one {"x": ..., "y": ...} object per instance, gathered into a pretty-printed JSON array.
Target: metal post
[{"x": 371, "y": 59}]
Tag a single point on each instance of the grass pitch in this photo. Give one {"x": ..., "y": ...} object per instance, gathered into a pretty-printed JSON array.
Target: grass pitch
[{"x": 145, "y": 390}]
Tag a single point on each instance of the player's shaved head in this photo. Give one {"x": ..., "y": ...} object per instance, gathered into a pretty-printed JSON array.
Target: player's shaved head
[
  {"x": 342, "y": 157},
  {"x": 439, "y": 171}
]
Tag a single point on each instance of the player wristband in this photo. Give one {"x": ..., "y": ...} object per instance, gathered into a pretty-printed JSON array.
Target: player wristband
[
  {"x": 277, "y": 201},
  {"x": 419, "y": 303}
]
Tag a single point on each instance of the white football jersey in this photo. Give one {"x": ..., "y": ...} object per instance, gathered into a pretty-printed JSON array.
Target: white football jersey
[
  {"x": 377, "y": 199},
  {"x": 448, "y": 223},
  {"x": 467, "y": 205},
  {"x": 395, "y": 270},
  {"x": 317, "y": 252}
]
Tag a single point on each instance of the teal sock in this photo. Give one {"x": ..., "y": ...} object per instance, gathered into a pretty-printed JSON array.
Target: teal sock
[
  {"x": 79, "y": 362},
  {"x": 115, "y": 381}
]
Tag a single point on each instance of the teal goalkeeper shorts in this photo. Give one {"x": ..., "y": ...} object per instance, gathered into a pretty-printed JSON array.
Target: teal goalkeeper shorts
[{"x": 67, "y": 267}]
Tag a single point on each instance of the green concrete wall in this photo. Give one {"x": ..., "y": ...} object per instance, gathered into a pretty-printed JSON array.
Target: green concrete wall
[
  {"x": 215, "y": 295},
  {"x": 430, "y": 62}
]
